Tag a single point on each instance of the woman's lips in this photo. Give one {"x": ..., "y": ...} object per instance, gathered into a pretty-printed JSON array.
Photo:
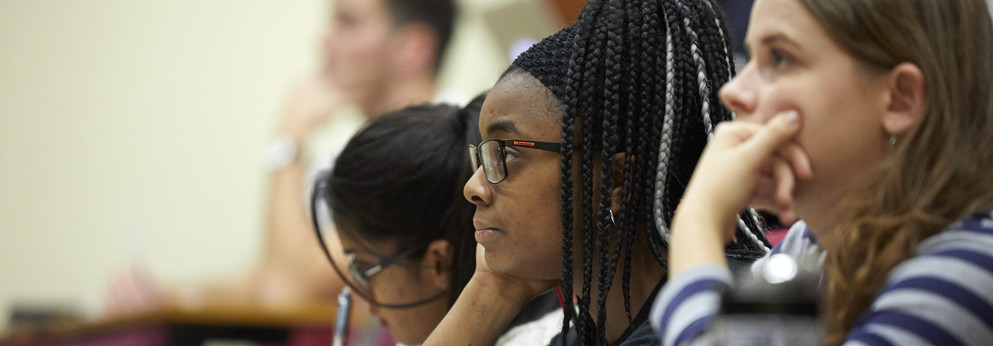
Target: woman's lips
[
  {"x": 484, "y": 231},
  {"x": 484, "y": 234}
]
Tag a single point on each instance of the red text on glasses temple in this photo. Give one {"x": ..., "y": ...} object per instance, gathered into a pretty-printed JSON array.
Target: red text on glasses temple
[{"x": 530, "y": 144}]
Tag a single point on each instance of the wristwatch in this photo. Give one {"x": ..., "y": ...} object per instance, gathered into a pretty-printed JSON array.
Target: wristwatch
[{"x": 281, "y": 152}]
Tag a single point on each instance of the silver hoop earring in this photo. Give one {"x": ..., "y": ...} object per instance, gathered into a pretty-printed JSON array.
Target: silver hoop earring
[{"x": 612, "y": 217}]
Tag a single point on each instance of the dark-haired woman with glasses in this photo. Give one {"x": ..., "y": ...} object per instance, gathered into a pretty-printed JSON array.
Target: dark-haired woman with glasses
[{"x": 395, "y": 198}]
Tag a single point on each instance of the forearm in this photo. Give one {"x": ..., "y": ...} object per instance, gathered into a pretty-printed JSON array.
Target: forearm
[
  {"x": 480, "y": 315},
  {"x": 293, "y": 266},
  {"x": 688, "y": 298},
  {"x": 287, "y": 225},
  {"x": 697, "y": 236}
]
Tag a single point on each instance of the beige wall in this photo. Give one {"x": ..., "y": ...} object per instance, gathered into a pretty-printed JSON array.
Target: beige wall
[{"x": 133, "y": 129}]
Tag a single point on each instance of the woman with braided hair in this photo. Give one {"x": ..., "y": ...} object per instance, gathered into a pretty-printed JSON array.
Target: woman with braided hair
[
  {"x": 588, "y": 140},
  {"x": 871, "y": 120}
]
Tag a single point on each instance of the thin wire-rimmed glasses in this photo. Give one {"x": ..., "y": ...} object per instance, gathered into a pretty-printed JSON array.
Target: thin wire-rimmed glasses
[
  {"x": 492, "y": 155},
  {"x": 362, "y": 271}
]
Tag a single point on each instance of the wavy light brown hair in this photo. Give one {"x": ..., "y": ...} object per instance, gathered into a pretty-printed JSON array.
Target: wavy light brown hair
[{"x": 937, "y": 172}]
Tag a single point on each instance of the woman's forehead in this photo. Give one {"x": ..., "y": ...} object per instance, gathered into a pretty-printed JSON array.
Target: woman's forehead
[
  {"x": 785, "y": 18},
  {"x": 518, "y": 106}
]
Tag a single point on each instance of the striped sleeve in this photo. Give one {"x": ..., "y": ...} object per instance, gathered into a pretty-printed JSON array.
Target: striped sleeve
[
  {"x": 688, "y": 303},
  {"x": 942, "y": 296}
]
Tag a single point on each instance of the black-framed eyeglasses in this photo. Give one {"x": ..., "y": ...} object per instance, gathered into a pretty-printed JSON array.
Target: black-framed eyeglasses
[
  {"x": 362, "y": 271},
  {"x": 492, "y": 155}
]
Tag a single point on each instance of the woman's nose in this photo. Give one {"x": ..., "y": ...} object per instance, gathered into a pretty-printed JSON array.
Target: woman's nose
[
  {"x": 740, "y": 95},
  {"x": 477, "y": 189}
]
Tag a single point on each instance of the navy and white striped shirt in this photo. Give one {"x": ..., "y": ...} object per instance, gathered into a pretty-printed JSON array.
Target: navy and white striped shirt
[{"x": 941, "y": 296}]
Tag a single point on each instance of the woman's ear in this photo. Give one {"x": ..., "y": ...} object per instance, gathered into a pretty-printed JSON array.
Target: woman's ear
[
  {"x": 907, "y": 99},
  {"x": 438, "y": 263}
]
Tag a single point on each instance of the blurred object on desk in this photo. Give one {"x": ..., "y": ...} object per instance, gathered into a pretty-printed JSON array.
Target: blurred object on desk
[
  {"x": 28, "y": 319},
  {"x": 175, "y": 325}
]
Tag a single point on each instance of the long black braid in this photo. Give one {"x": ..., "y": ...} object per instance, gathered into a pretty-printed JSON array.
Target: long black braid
[{"x": 638, "y": 78}]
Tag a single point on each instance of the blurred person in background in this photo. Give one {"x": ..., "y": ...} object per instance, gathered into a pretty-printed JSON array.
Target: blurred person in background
[{"x": 377, "y": 55}]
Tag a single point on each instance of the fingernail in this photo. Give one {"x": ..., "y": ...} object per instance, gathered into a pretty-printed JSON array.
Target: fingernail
[{"x": 791, "y": 116}]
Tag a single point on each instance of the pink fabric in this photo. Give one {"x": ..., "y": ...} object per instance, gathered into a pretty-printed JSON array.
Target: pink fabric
[{"x": 776, "y": 235}]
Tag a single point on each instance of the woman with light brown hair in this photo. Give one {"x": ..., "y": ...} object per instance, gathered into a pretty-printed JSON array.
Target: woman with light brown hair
[{"x": 872, "y": 121}]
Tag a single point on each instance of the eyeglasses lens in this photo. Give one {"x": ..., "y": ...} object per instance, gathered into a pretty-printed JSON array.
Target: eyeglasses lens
[{"x": 493, "y": 161}]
